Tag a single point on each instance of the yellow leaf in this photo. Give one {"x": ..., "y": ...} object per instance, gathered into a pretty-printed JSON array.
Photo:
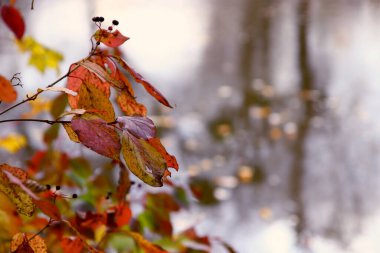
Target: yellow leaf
[
  {"x": 145, "y": 244},
  {"x": 23, "y": 202},
  {"x": 13, "y": 142},
  {"x": 37, "y": 244},
  {"x": 37, "y": 106},
  {"x": 41, "y": 57},
  {"x": 100, "y": 232}
]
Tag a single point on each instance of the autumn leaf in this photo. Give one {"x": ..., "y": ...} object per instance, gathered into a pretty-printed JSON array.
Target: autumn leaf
[
  {"x": 129, "y": 105},
  {"x": 28, "y": 243},
  {"x": 111, "y": 39},
  {"x": 143, "y": 160},
  {"x": 14, "y": 20},
  {"x": 13, "y": 142},
  {"x": 140, "y": 79},
  {"x": 13, "y": 189},
  {"x": 146, "y": 245},
  {"x": 124, "y": 184},
  {"x": 80, "y": 75},
  {"x": 91, "y": 98},
  {"x": 72, "y": 245},
  {"x": 58, "y": 105},
  {"x": 48, "y": 208},
  {"x": 7, "y": 92},
  {"x": 170, "y": 159},
  {"x": 119, "y": 215},
  {"x": 95, "y": 134},
  {"x": 71, "y": 133},
  {"x": 101, "y": 73},
  {"x": 37, "y": 107},
  {"x": 41, "y": 57},
  {"x": 140, "y": 127},
  {"x": 82, "y": 239}
]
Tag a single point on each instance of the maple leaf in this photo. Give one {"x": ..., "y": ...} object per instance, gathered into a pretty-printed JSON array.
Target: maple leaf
[
  {"x": 41, "y": 57},
  {"x": 7, "y": 92},
  {"x": 95, "y": 134},
  {"x": 111, "y": 39},
  {"x": 14, "y": 20}
]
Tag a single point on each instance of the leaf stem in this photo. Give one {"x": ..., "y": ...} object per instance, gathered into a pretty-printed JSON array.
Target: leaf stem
[{"x": 51, "y": 122}]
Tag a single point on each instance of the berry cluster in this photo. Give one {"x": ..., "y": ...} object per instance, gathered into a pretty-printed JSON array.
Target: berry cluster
[{"x": 98, "y": 19}]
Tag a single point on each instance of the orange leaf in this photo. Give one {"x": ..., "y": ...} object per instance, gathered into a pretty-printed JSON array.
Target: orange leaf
[
  {"x": 145, "y": 244},
  {"x": 14, "y": 20},
  {"x": 170, "y": 159},
  {"x": 79, "y": 75},
  {"x": 17, "y": 172},
  {"x": 7, "y": 92},
  {"x": 72, "y": 246},
  {"x": 129, "y": 105},
  {"x": 23, "y": 243},
  {"x": 124, "y": 184},
  {"x": 140, "y": 79},
  {"x": 48, "y": 208},
  {"x": 111, "y": 39}
]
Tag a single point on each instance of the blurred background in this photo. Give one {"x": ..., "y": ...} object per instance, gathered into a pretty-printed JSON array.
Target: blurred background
[{"x": 275, "y": 118}]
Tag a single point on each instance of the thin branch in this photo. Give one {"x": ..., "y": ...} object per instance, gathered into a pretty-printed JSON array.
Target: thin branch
[
  {"x": 33, "y": 97},
  {"x": 51, "y": 122}
]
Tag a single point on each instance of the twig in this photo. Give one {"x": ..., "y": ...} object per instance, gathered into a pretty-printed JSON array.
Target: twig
[
  {"x": 42, "y": 229},
  {"x": 32, "y": 7},
  {"x": 33, "y": 97},
  {"x": 51, "y": 122}
]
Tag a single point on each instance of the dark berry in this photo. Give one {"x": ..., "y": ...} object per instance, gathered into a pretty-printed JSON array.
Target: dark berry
[
  {"x": 101, "y": 19},
  {"x": 110, "y": 28},
  {"x": 75, "y": 196},
  {"x": 48, "y": 187},
  {"x": 95, "y": 19},
  {"x": 58, "y": 187},
  {"x": 115, "y": 22},
  {"x": 98, "y": 43}
]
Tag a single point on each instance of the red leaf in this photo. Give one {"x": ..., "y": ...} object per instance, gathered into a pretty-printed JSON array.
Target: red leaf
[
  {"x": 97, "y": 136},
  {"x": 111, "y": 39},
  {"x": 170, "y": 159},
  {"x": 72, "y": 246},
  {"x": 14, "y": 20},
  {"x": 7, "y": 92},
  {"x": 124, "y": 184},
  {"x": 119, "y": 215},
  {"x": 140, "y": 127},
  {"x": 140, "y": 79},
  {"x": 48, "y": 208}
]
